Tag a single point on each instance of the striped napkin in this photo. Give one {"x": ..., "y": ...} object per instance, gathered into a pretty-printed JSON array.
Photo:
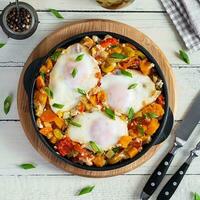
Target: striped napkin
[{"x": 185, "y": 15}]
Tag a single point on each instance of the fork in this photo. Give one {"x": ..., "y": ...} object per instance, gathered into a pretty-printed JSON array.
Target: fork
[{"x": 171, "y": 186}]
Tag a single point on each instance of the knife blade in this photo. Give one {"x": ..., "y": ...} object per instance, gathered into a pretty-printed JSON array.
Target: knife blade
[{"x": 190, "y": 120}]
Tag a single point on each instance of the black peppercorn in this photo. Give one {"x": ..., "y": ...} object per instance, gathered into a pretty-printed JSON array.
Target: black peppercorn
[{"x": 19, "y": 21}]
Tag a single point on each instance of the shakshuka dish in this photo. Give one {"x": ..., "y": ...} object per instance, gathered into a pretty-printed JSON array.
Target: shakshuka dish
[{"x": 99, "y": 101}]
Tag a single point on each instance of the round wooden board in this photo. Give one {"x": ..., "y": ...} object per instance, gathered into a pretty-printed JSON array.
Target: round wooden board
[{"x": 63, "y": 33}]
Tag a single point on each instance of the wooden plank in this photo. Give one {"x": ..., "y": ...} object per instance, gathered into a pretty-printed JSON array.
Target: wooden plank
[
  {"x": 155, "y": 25},
  {"x": 117, "y": 188},
  {"x": 15, "y": 149},
  {"x": 184, "y": 77},
  {"x": 88, "y": 5}
]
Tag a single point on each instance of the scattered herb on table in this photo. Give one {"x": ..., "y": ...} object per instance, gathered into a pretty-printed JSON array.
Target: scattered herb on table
[
  {"x": 56, "y": 13},
  {"x": 86, "y": 190},
  {"x": 126, "y": 73},
  {"x": 184, "y": 56},
  {"x": 2, "y": 44},
  {"x": 196, "y": 196},
  {"x": 7, "y": 104},
  {"x": 110, "y": 113},
  {"x": 27, "y": 166}
]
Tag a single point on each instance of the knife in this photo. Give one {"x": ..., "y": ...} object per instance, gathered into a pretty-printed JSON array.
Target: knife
[
  {"x": 175, "y": 180},
  {"x": 190, "y": 120}
]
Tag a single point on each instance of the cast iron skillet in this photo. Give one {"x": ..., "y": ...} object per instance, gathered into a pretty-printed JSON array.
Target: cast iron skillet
[{"x": 29, "y": 83}]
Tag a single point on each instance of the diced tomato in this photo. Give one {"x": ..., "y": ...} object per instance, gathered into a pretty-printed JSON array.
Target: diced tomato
[
  {"x": 108, "y": 42},
  {"x": 48, "y": 116},
  {"x": 64, "y": 146},
  {"x": 137, "y": 143},
  {"x": 79, "y": 149},
  {"x": 40, "y": 82},
  {"x": 160, "y": 100},
  {"x": 130, "y": 63}
]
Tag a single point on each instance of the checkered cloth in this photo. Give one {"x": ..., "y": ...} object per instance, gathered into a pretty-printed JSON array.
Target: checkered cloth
[{"x": 185, "y": 15}]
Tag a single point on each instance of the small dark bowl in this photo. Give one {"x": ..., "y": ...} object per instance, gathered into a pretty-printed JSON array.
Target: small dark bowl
[
  {"x": 19, "y": 35},
  {"x": 165, "y": 125}
]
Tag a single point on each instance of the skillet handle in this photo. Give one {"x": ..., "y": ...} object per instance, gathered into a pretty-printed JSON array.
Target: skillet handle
[
  {"x": 167, "y": 129},
  {"x": 30, "y": 75}
]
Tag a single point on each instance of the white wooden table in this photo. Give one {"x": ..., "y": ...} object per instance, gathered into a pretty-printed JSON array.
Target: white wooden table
[{"x": 46, "y": 182}]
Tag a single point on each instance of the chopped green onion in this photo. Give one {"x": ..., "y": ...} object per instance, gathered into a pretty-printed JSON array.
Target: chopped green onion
[
  {"x": 140, "y": 129},
  {"x": 58, "y": 106},
  {"x": 110, "y": 154},
  {"x": 49, "y": 92},
  {"x": 126, "y": 73},
  {"x": 118, "y": 56},
  {"x": 110, "y": 113},
  {"x": 43, "y": 75},
  {"x": 79, "y": 58},
  {"x": 132, "y": 86},
  {"x": 86, "y": 190},
  {"x": 55, "y": 55},
  {"x": 27, "y": 166},
  {"x": 56, "y": 13},
  {"x": 131, "y": 114},
  {"x": 7, "y": 104},
  {"x": 184, "y": 56},
  {"x": 151, "y": 115},
  {"x": 73, "y": 123},
  {"x": 81, "y": 91},
  {"x": 1, "y": 45},
  {"x": 94, "y": 147},
  {"x": 74, "y": 72},
  {"x": 116, "y": 149}
]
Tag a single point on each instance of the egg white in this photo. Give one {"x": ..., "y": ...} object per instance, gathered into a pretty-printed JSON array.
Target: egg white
[
  {"x": 64, "y": 85},
  {"x": 99, "y": 128},
  {"x": 121, "y": 99}
]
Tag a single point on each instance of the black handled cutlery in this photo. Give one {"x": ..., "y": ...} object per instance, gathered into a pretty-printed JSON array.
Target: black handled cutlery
[
  {"x": 175, "y": 180},
  {"x": 183, "y": 132}
]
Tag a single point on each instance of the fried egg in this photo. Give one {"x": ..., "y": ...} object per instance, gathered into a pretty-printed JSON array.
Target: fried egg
[
  {"x": 75, "y": 68},
  {"x": 99, "y": 128},
  {"x": 125, "y": 92}
]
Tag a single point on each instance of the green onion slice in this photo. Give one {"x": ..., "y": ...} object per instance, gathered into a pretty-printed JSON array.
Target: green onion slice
[
  {"x": 110, "y": 113},
  {"x": 58, "y": 106},
  {"x": 126, "y": 73},
  {"x": 49, "y": 92},
  {"x": 94, "y": 147},
  {"x": 132, "y": 86},
  {"x": 131, "y": 114},
  {"x": 118, "y": 56},
  {"x": 79, "y": 58},
  {"x": 81, "y": 91},
  {"x": 74, "y": 72}
]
